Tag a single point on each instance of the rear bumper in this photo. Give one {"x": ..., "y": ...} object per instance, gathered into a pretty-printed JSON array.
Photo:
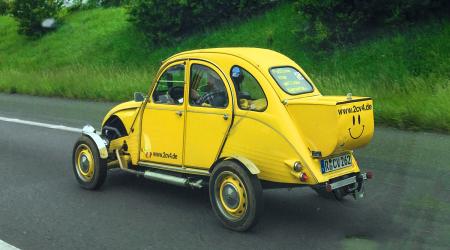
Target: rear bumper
[
  {"x": 348, "y": 185},
  {"x": 359, "y": 178}
]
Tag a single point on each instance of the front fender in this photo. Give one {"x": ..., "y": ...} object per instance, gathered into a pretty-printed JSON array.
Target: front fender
[
  {"x": 102, "y": 144},
  {"x": 126, "y": 112}
]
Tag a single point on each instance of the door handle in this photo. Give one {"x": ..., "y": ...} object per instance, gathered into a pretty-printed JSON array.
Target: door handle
[
  {"x": 225, "y": 117},
  {"x": 179, "y": 113}
]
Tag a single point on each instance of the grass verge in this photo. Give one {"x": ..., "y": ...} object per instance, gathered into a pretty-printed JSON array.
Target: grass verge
[{"x": 96, "y": 54}]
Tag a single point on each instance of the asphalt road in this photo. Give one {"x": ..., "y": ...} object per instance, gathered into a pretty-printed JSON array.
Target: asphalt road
[{"x": 407, "y": 204}]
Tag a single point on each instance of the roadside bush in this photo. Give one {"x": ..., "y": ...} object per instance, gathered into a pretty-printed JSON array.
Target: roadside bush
[
  {"x": 105, "y": 3},
  {"x": 4, "y": 7},
  {"x": 165, "y": 20},
  {"x": 327, "y": 23},
  {"x": 111, "y": 3},
  {"x": 31, "y": 13}
]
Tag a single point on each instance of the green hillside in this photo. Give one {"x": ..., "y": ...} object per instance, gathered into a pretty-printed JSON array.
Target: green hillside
[{"x": 97, "y": 54}]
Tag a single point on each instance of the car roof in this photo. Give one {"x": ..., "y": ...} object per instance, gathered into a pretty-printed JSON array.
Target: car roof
[{"x": 263, "y": 58}]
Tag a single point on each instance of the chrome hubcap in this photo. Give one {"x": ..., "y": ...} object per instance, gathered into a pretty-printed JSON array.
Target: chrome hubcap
[
  {"x": 230, "y": 196},
  {"x": 84, "y": 163}
]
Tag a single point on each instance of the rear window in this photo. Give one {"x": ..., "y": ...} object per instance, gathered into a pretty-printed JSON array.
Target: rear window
[{"x": 291, "y": 81}]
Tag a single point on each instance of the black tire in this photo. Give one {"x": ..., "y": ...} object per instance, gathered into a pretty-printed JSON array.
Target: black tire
[
  {"x": 98, "y": 174},
  {"x": 254, "y": 204}
]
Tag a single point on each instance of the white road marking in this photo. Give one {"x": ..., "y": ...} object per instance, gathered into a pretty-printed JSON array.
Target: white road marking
[
  {"x": 6, "y": 246},
  {"x": 40, "y": 124}
]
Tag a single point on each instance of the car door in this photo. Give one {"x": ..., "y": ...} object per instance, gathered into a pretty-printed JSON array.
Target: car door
[
  {"x": 208, "y": 114},
  {"x": 163, "y": 118}
]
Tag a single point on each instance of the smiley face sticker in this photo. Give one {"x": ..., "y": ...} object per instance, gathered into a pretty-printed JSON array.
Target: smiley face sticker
[{"x": 356, "y": 130}]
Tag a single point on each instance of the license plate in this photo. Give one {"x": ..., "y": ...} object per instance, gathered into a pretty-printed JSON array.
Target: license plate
[{"x": 334, "y": 163}]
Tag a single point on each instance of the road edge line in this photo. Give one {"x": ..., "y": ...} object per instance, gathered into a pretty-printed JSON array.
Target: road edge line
[
  {"x": 40, "y": 124},
  {"x": 6, "y": 246}
]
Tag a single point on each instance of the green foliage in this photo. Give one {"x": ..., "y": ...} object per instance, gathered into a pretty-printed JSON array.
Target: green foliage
[
  {"x": 105, "y": 3},
  {"x": 4, "y": 7},
  {"x": 326, "y": 23},
  {"x": 31, "y": 13},
  {"x": 98, "y": 55},
  {"x": 91, "y": 4},
  {"x": 111, "y": 3},
  {"x": 165, "y": 20}
]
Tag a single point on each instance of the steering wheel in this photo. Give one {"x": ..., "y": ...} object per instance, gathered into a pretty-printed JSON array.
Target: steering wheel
[{"x": 215, "y": 99}]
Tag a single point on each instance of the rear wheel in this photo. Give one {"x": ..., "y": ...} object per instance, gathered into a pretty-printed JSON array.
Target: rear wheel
[
  {"x": 89, "y": 169},
  {"x": 236, "y": 196}
]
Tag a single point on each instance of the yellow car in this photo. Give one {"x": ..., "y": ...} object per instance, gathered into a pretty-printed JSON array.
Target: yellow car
[{"x": 235, "y": 120}]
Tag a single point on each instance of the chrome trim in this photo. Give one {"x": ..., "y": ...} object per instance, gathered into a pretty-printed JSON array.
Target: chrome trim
[
  {"x": 174, "y": 168},
  {"x": 345, "y": 182},
  {"x": 101, "y": 143}
]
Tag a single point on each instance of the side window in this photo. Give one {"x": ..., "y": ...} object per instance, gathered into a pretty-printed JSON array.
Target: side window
[
  {"x": 170, "y": 87},
  {"x": 250, "y": 95},
  {"x": 206, "y": 88}
]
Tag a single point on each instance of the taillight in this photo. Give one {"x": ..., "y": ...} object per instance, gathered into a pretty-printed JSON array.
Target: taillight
[
  {"x": 303, "y": 177},
  {"x": 369, "y": 175}
]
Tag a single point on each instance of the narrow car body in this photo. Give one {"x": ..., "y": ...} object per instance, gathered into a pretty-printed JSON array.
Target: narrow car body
[
  {"x": 289, "y": 130},
  {"x": 240, "y": 117}
]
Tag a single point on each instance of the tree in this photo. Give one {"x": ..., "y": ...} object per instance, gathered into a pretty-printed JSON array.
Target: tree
[
  {"x": 4, "y": 7},
  {"x": 163, "y": 21},
  {"x": 31, "y": 13}
]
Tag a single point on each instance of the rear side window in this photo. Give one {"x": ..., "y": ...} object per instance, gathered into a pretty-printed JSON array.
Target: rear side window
[
  {"x": 249, "y": 93},
  {"x": 291, "y": 81}
]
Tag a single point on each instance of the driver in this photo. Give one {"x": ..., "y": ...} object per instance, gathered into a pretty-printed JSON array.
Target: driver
[{"x": 213, "y": 89}]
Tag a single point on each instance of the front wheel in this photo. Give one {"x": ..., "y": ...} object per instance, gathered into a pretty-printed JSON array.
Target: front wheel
[
  {"x": 236, "y": 196},
  {"x": 89, "y": 169}
]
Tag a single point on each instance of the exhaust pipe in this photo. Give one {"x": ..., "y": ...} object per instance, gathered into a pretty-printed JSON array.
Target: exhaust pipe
[{"x": 174, "y": 180}]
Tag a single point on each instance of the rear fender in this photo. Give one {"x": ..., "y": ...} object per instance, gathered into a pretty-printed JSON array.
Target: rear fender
[{"x": 246, "y": 163}]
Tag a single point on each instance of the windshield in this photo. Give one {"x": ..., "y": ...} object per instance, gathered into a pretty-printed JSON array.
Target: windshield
[{"x": 291, "y": 81}]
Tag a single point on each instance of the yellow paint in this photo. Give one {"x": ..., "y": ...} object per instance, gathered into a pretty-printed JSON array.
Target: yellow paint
[
  {"x": 127, "y": 112},
  {"x": 205, "y": 129},
  {"x": 271, "y": 139},
  {"x": 338, "y": 133},
  {"x": 163, "y": 130}
]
